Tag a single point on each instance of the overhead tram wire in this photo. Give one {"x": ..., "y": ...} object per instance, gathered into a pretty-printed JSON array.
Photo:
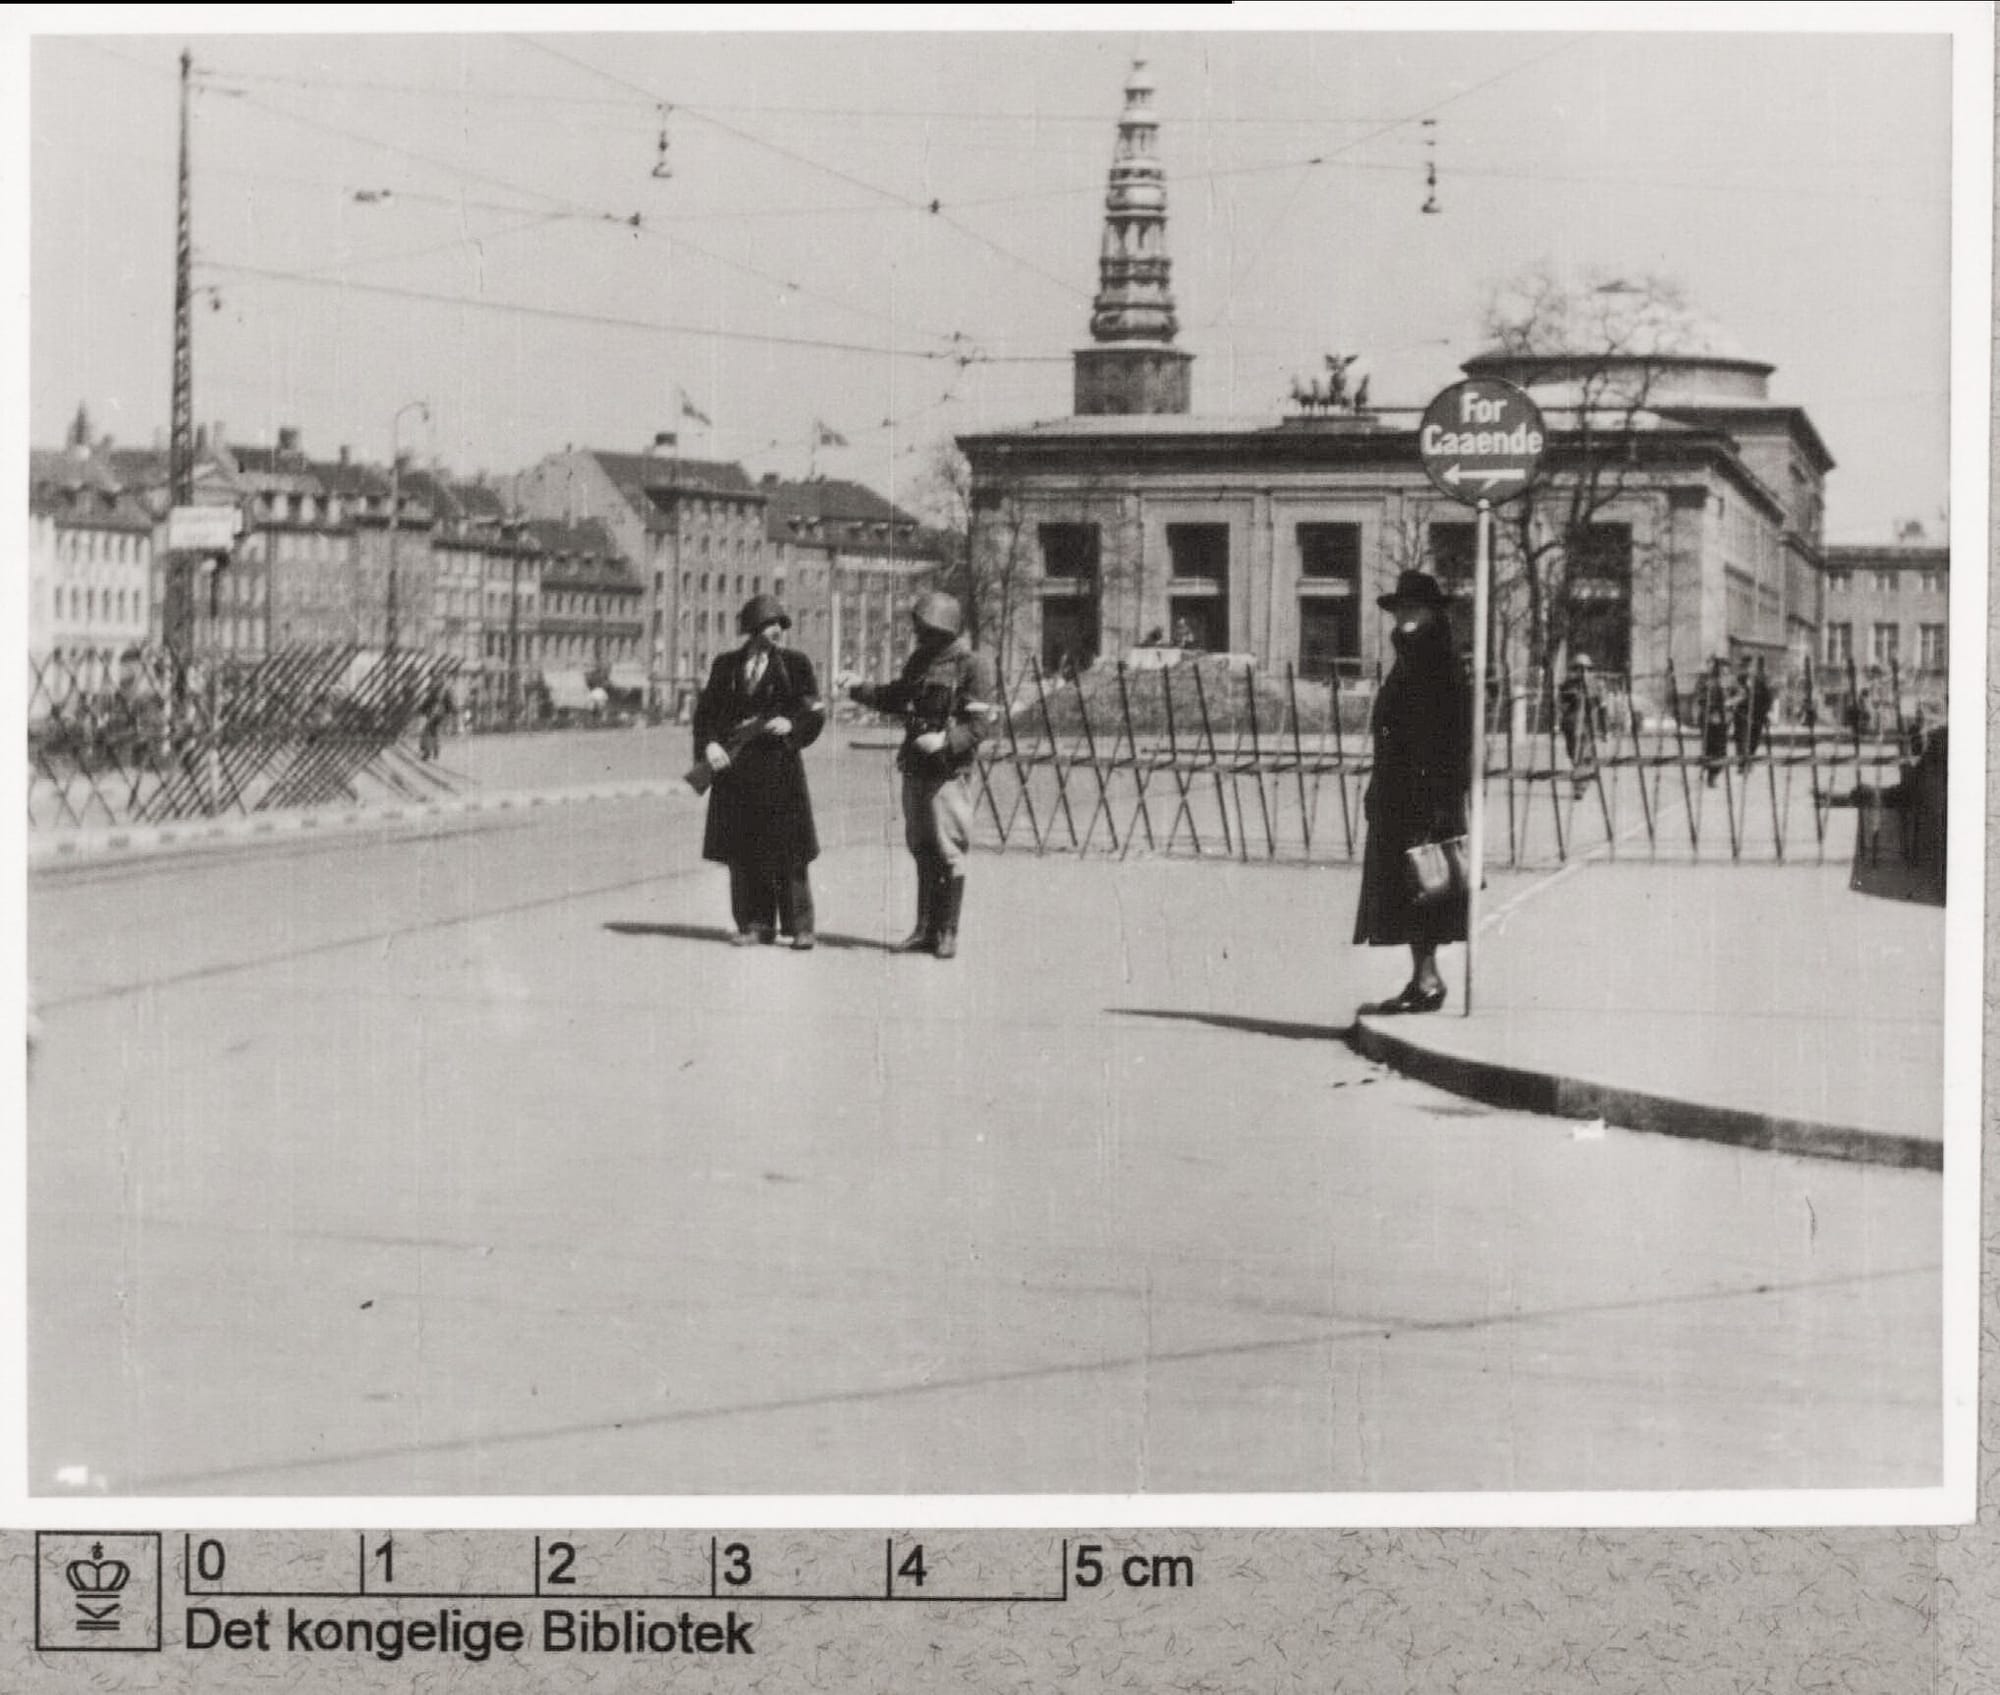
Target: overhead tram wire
[
  {"x": 646, "y": 103},
  {"x": 931, "y": 208},
  {"x": 473, "y": 239},
  {"x": 958, "y": 356},
  {"x": 1298, "y": 187},
  {"x": 634, "y": 220}
]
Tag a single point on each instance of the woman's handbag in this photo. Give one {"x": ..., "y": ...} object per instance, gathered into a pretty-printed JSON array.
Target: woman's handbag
[{"x": 1437, "y": 870}]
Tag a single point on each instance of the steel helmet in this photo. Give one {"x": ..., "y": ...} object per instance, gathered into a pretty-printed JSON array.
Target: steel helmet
[{"x": 939, "y": 612}]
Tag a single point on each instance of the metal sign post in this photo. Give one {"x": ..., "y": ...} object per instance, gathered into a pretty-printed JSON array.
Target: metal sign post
[
  {"x": 1475, "y": 871},
  {"x": 1480, "y": 442}
]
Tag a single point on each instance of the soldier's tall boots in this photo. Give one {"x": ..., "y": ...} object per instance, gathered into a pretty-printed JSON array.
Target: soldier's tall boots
[
  {"x": 924, "y": 937},
  {"x": 951, "y": 897}
]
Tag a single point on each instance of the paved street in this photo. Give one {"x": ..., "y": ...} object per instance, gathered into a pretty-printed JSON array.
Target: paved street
[{"x": 468, "y": 1159}]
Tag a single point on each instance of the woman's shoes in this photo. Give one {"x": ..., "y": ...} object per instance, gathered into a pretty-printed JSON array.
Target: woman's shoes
[{"x": 1412, "y": 999}]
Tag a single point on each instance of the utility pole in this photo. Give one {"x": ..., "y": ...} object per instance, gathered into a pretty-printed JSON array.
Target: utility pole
[
  {"x": 514, "y": 628},
  {"x": 396, "y": 512},
  {"x": 177, "y": 615}
]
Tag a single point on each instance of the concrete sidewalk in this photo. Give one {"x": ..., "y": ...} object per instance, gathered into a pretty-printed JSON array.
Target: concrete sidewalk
[{"x": 1765, "y": 1006}]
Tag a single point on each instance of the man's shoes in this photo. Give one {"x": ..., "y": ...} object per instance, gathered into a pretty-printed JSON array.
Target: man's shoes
[
  {"x": 765, "y": 933},
  {"x": 804, "y": 942},
  {"x": 743, "y": 939},
  {"x": 1412, "y": 999}
]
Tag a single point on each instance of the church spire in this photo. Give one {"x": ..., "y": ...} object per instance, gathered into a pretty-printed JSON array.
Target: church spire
[
  {"x": 1133, "y": 366},
  {"x": 1135, "y": 299}
]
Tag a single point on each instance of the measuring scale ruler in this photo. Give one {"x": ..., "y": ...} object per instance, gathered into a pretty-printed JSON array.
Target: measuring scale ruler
[{"x": 222, "y": 1609}]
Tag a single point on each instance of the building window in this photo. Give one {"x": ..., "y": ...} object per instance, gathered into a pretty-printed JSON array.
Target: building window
[
  {"x": 1329, "y": 632},
  {"x": 1329, "y": 597},
  {"x": 1931, "y": 582},
  {"x": 1840, "y": 580},
  {"x": 1931, "y": 647},
  {"x": 1331, "y": 553},
  {"x": 1882, "y": 644},
  {"x": 1200, "y": 552},
  {"x": 1452, "y": 550},
  {"x": 1199, "y": 604},
  {"x": 1070, "y": 636},
  {"x": 1070, "y": 551},
  {"x": 1885, "y": 582}
]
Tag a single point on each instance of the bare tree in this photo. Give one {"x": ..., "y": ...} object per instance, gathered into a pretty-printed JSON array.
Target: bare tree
[
  {"x": 988, "y": 560},
  {"x": 1596, "y": 351}
]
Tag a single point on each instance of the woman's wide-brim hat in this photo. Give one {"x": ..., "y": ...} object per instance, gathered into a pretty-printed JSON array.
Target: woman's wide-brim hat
[
  {"x": 761, "y": 610},
  {"x": 1414, "y": 588}
]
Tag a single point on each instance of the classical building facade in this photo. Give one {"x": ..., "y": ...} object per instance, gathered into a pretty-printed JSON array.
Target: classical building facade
[
  {"x": 1686, "y": 498},
  {"x": 1888, "y": 620}
]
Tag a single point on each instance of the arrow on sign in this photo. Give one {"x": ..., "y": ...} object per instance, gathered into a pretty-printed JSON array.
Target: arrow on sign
[{"x": 1454, "y": 475}]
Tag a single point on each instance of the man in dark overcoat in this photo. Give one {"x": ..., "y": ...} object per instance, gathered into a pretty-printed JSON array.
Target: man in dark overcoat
[
  {"x": 946, "y": 696},
  {"x": 760, "y": 707},
  {"x": 1422, "y": 731}
]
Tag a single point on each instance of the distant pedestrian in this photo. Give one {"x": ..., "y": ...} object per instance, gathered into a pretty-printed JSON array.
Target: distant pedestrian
[
  {"x": 1750, "y": 711},
  {"x": 436, "y": 708},
  {"x": 946, "y": 696},
  {"x": 1422, "y": 729},
  {"x": 1714, "y": 708},
  {"x": 1580, "y": 711},
  {"x": 759, "y": 709}
]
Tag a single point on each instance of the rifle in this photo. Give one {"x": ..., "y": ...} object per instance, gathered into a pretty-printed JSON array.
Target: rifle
[{"x": 701, "y": 776}]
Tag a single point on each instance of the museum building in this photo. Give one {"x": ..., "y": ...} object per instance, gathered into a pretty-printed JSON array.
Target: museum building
[{"x": 1137, "y": 518}]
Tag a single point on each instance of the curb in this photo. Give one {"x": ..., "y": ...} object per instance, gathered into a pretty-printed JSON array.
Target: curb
[
  {"x": 1557, "y": 1096},
  {"x": 126, "y": 841}
]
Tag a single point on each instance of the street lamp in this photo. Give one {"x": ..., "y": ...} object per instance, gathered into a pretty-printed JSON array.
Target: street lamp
[{"x": 396, "y": 508}]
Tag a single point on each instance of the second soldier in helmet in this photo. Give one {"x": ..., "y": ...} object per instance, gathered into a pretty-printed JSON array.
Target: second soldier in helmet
[{"x": 946, "y": 699}]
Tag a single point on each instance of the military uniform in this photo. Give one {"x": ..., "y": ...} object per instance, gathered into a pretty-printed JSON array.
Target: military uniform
[{"x": 944, "y": 687}]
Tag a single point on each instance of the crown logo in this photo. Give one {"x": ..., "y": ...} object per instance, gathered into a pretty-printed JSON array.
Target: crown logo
[{"x": 97, "y": 1576}]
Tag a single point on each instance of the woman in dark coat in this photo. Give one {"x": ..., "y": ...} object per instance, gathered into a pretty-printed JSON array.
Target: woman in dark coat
[
  {"x": 1423, "y": 759},
  {"x": 760, "y": 707}
]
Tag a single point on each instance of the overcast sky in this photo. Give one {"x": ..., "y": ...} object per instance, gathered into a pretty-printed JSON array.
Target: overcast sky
[{"x": 1797, "y": 186}]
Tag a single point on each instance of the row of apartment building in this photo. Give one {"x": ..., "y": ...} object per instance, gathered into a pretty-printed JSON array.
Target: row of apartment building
[{"x": 593, "y": 566}]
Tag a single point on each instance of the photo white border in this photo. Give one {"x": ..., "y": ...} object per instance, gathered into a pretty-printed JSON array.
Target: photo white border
[{"x": 1971, "y": 27}]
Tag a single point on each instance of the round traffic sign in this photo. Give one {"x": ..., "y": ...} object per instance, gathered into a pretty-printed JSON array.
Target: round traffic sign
[{"x": 1481, "y": 441}]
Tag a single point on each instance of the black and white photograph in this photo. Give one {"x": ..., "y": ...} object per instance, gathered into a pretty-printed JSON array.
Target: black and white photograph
[{"x": 1148, "y": 760}]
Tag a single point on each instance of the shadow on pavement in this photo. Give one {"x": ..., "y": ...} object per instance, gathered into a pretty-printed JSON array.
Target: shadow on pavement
[
  {"x": 715, "y": 933},
  {"x": 1255, "y": 1026}
]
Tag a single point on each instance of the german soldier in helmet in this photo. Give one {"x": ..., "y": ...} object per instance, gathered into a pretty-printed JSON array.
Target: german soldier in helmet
[
  {"x": 946, "y": 698},
  {"x": 760, "y": 707}
]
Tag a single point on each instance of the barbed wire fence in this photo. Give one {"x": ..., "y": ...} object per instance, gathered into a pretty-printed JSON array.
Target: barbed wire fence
[
  {"x": 1218, "y": 758},
  {"x": 153, "y": 736}
]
